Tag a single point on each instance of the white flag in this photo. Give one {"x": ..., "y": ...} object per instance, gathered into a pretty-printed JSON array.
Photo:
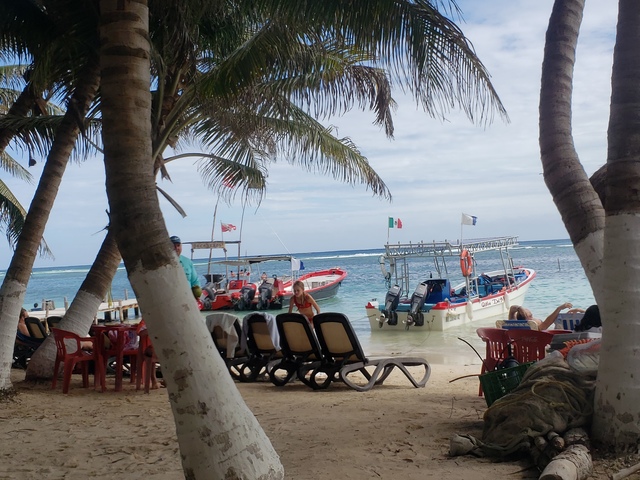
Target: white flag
[
  {"x": 295, "y": 264},
  {"x": 469, "y": 219}
]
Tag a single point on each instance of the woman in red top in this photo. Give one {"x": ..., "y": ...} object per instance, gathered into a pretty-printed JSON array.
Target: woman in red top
[{"x": 303, "y": 302}]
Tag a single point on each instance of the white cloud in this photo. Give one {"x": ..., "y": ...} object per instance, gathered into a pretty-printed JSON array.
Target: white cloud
[{"x": 434, "y": 169}]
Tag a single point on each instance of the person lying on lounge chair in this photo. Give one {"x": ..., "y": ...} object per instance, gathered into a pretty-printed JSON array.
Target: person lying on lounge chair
[{"x": 517, "y": 312}]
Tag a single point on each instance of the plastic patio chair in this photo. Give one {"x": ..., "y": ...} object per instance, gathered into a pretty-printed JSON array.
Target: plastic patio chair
[
  {"x": 145, "y": 362},
  {"x": 529, "y": 345},
  {"x": 70, "y": 353},
  {"x": 497, "y": 348}
]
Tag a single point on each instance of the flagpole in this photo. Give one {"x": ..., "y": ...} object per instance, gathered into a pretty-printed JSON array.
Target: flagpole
[
  {"x": 244, "y": 206},
  {"x": 213, "y": 227}
]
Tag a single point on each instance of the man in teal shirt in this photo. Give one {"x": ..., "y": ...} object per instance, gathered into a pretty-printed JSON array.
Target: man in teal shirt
[{"x": 189, "y": 268}]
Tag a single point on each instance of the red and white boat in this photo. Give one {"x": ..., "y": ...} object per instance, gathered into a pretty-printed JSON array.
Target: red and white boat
[{"x": 236, "y": 288}]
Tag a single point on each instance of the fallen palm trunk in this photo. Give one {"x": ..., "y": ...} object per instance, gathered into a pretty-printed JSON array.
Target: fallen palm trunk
[{"x": 574, "y": 463}]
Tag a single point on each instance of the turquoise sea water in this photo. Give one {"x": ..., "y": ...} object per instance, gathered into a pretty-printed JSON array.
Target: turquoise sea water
[{"x": 560, "y": 279}]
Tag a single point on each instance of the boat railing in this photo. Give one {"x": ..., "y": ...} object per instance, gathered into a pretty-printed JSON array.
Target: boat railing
[{"x": 448, "y": 249}]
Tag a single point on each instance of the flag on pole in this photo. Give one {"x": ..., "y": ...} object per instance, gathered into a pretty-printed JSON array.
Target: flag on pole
[
  {"x": 227, "y": 227},
  {"x": 296, "y": 264},
  {"x": 395, "y": 222},
  {"x": 469, "y": 219}
]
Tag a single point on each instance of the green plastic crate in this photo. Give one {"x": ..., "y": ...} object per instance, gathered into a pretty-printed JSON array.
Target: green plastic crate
[{"x": 498, "y": 383}]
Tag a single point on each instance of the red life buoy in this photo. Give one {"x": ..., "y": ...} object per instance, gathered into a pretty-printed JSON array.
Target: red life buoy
[{"x": 466, "y": 263}]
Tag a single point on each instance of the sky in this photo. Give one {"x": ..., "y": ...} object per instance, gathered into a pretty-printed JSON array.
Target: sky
[{"x": 436, "y": 169}]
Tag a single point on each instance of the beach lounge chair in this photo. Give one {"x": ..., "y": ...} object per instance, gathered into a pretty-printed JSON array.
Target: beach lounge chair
[
  {"x": 36, "y": 328},
  {"x": 517, "y": 324},
  {"x": 262, "y": 345},
  {"x": 300, "y": 350},
  {"x": 23, "y": 349},
  {"x": 53, "y": 321},
  {"x": 226, "y": 334},
  {"x": 343, "y": 355}
]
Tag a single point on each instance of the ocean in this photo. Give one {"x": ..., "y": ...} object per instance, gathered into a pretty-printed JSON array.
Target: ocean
[{"x": 560, "y": 278}]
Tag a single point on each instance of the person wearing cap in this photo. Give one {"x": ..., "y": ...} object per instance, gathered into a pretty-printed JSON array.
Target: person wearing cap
[{"x": 189, "y": 268}]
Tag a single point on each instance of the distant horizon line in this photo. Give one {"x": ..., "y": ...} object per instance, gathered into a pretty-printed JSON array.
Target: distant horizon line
[{"x": 3, "y": 271}]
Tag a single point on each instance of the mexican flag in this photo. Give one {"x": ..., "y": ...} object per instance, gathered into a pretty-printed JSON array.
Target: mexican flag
[{"x": 395, "y": 222}]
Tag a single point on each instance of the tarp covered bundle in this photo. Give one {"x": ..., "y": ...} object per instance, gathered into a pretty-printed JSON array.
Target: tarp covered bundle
[{"x": 551, "y": 398}]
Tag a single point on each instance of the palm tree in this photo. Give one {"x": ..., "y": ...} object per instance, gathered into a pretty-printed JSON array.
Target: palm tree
[
  {"x": 49, "y": 41},
  {"x": 13, "y": 104},
  {"x": 205, "y": 414},
  {"x": 241, "y": 130},
  {"x": 605, "y": 237}
]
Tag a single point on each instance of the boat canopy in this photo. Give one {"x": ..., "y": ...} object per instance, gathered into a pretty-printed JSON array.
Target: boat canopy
[
  {"x": 242, "y": 261},
  {"x": 398, "y": 256},
  {"x": 448, "y": 249}
]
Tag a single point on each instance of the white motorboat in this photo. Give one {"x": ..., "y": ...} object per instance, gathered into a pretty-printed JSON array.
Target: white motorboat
[{"x": 434, "y": 304}]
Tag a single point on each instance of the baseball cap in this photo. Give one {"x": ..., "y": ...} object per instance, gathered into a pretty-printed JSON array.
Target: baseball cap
[{"x": 175, "y": 239}]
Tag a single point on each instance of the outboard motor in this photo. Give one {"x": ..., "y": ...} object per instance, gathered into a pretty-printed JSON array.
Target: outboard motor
[
  {"x": 247, "y": 293},
  {"x": 415, "y": 315},
  {"x": 391, "y": 301},
  {"x": 208, "y": 296},
  {"x": 265, "y": 293}
]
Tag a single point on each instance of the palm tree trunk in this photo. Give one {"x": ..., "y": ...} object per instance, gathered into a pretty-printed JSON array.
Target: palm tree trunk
[
  {"x": 572, "y": 192},
  {"x": 16, "y": 278},
  {"x": 616, "y": 421},
  {"x": 218, "y": 435},
  {"x": 19, "y": 108},
  {"x": 82, "y": 311}
]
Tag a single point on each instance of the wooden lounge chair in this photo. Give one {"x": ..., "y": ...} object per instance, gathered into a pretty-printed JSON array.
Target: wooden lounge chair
[
  {"x": 299, "y": 347},
  {"x": 343, "y": 355},
  {"x": 226, "y": 334}
]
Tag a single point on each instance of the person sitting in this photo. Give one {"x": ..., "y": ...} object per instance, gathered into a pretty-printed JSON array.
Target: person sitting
[
  {"x": 590, "y": 322},
  {"x": 303, "y": 302},
  {"x": 263, "y": 277},
  {"x": 22, "y": 325},
  {"x": 518, "y": 312}
]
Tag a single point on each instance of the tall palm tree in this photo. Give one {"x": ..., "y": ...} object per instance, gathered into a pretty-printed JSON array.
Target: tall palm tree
[
  {"x": 61, "y": 53},
  {"x": 605, "y": 236},
  {"x": 13, "y": 104},
  {"x": 238, "y": 130},
  {"x": 206, "y": 405}
]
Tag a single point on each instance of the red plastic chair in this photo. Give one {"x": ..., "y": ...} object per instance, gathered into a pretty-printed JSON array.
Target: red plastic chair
[
  {"x": 70, "y": 356},
  {"x": 497, "y": 348},
  {"x": 117, "y": 347},
  {"x": 529, "y": 345},
  {"x": 146, "y": 361}
]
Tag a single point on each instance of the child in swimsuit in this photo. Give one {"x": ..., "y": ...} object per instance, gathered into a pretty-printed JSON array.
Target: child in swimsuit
[{"x": 303, "y": 302}]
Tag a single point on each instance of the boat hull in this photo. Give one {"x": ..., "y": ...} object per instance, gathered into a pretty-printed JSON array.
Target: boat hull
[
  {"x": 445, "y": 315},
  {"x": 321, "y": 285}
]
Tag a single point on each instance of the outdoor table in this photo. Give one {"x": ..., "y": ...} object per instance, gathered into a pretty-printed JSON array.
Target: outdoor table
[{"x": 117, "y": 347}]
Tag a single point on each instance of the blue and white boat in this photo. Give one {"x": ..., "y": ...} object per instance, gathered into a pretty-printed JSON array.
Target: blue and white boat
[{"x": 436, "y": 305}]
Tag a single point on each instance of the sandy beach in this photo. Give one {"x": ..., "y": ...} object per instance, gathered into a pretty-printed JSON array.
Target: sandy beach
[{"x": 393, "y": 431}]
